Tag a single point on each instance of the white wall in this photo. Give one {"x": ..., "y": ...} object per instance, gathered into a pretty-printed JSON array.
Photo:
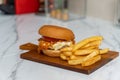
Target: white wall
[{"x": 104, "y": 9}]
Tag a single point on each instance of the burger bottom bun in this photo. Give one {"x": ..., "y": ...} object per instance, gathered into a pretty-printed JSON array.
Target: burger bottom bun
[{"x": 52, "y": 53}]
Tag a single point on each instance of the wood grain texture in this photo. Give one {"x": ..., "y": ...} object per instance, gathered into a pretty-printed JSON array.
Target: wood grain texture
[{"x": 39, "y": 57}]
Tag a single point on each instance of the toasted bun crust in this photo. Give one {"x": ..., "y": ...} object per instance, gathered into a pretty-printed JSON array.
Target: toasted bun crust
[
  {"x": 56, "y": 32},
  {"x": 51, "y": 53}
]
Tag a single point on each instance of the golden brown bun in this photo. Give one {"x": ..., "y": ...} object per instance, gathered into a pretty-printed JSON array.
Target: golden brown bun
[
  {"x": 56, "y": 32},
  {"x": 51, "y": 53}
]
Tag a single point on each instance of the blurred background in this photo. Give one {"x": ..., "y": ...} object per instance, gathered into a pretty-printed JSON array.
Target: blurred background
[{"x": 103, "y": 9}]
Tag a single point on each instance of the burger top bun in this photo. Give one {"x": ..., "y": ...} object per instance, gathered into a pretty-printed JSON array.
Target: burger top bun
[{"x": 57, "y": 32}]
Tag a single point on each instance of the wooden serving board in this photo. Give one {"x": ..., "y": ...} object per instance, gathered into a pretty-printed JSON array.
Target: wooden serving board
[{"x": 38, "y": 57}]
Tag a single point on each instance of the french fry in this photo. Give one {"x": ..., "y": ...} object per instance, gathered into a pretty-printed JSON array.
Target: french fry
[
  {"x": 29, "y": 46},
  {"x": 82, "y": 59},
  {"x": 63, "y": 57},
  {"x": 76, "y": 61},
  {"x": 103, "y": 51},
  {"x": 93, "y": 43},
  {"x": 94, "y": 53},
  {"x": 66, "y": 49},
  {"x": 83, "y": 51},
  {"x": 91, "y": 60},
  {"x": 92, "y": 47},
  {"x": 73, "y": 57},
  {"x": 68, "y": 53},
  {"x": 85, "y": 41}
]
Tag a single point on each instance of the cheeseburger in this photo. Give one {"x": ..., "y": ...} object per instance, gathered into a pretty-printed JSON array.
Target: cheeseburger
[{"x": 53, "y": 39}]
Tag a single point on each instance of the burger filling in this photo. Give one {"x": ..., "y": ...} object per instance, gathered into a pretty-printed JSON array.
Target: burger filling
[
  {"x": 60, "y": 45},
  {"x": 53, "y": 44}
]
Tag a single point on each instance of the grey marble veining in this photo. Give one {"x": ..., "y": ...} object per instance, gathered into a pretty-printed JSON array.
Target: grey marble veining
[{"x": 19, "y": 29}]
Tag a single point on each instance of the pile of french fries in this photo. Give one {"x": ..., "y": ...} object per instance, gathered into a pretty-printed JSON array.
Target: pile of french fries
[{"x": 85, "y": 52}]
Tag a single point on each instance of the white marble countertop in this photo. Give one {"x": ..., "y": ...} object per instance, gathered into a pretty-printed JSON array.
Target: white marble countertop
[{"x": 17, "y": 30}]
